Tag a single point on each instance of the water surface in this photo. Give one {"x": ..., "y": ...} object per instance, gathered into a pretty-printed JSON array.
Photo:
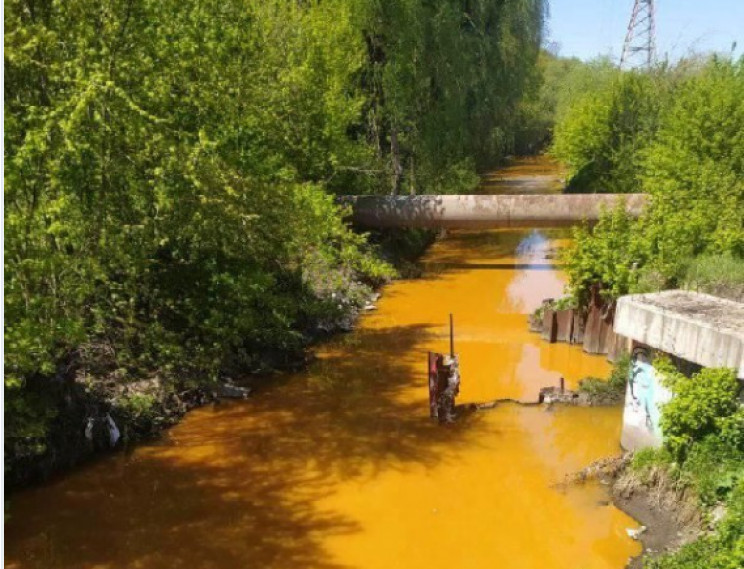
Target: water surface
[{"x": 340, "y": 466}]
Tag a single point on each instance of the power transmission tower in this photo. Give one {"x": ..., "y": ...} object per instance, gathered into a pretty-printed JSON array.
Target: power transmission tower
[{"x": 639, "y": 48}]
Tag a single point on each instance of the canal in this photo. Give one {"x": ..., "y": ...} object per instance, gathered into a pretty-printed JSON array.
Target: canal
[{"x": 340, "y": 467}]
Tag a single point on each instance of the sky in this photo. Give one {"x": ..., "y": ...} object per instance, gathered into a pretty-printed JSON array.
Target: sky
[{"x": 588, "y": 28}]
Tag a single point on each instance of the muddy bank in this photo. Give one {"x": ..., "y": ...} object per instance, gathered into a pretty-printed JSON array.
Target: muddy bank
[
  {"x": 95, "y": 416},
  {"x": 93, "y": 409},
  {"x": 669, "y": 515}
]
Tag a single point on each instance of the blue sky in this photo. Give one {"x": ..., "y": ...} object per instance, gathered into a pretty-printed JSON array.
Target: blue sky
[{"x": 587, "y": 28}]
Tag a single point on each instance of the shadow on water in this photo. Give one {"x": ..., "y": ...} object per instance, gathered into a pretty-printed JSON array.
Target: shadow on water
[
  {"x": 245, "y": 484},
  {"x": 239, "y": 484}
]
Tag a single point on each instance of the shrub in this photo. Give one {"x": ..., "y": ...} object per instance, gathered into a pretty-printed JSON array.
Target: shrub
[
  {"x": 603, "y": 135},
  {"x": 606, "y": 254},
  {"x": 699, "y": 405},
  {"x": 686, "y": 150}
]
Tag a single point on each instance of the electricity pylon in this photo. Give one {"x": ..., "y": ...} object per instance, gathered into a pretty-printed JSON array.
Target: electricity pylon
[{"x": 639, "y": 48}]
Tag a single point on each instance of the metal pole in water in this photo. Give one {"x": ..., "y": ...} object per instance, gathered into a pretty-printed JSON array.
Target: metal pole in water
[{"x": 452, "y": 337}]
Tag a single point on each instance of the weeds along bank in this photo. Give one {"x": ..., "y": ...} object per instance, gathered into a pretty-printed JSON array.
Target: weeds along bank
[
  {"x": 170, "y": 170},
  {"x": 677, "y": 134},
  {"x": 699, "y": 470}
]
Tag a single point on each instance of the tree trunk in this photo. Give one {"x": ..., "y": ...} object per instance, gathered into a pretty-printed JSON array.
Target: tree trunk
[{"x": 395, "y": 158}]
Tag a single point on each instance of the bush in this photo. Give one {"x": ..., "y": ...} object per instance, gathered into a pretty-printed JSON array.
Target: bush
[
  {"x": 606, "y": 254},
  {"x": 687, "y": 152},
  {"x": 699, "y": 405},
  {"x": 603, "y": 135},
  {"x": 694, "y": 171}
]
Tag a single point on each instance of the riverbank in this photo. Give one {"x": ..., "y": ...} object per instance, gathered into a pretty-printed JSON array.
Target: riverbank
[
  {"x": 95, "y": 408},
  {"x": 339, "y": 465},
  {"x": 668, "y": 513}
]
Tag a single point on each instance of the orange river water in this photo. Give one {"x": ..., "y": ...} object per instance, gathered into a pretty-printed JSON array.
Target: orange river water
[{"x": 340, "y": 467}]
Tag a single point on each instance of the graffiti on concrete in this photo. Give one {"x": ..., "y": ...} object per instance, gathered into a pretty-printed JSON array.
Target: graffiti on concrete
[{"x": 644, "y": 397}]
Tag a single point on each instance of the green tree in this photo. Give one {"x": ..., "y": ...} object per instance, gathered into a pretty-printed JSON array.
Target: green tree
[
  {"x": 170, "y": 167},
  {"x": 602, "y": 136},
  {"x": 685, "y": 150}
]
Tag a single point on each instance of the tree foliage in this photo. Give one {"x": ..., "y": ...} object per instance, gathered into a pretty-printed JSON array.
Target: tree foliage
[
  {"x": 444, "y": 80},
  {"x": 602, "y": 135},
  {"x": 555, "y": 86},
  {"x": 170, "y": 166},
  {"x": 684, "y": 149}
]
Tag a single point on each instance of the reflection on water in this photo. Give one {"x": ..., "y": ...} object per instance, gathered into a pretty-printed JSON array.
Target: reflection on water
[
  {"x": 533, "y": 246},
  {"x": 534, "y": 252},
  {"x": 340, "y": 467}
]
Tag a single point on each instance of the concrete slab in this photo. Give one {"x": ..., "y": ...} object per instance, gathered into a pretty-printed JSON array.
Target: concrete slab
[{"x": 698, "y": 327}]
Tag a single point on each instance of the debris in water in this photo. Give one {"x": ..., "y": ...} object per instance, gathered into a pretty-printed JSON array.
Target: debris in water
[{"x": 636, "y": 533}]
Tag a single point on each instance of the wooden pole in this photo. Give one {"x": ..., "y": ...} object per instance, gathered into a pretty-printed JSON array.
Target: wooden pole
[
  {"x": 431, "y": 379},
  {"x": 452, "y": 337}
]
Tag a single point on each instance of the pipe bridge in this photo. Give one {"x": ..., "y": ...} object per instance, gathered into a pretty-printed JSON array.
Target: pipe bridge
[{"x": 486, "y": 211}]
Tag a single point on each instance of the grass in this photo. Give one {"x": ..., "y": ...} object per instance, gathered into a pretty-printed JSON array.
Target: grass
[
  {"x": 612, "y": 388},
  {"x": 720, "y": 275}
]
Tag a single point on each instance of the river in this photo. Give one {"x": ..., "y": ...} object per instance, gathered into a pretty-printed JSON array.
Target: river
[{"x": 340, "y": 467}]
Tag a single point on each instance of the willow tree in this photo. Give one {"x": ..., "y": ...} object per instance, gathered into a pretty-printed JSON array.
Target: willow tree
[
  {"x": 164, "y": 201},
  {"x": 444, "y": 80}
]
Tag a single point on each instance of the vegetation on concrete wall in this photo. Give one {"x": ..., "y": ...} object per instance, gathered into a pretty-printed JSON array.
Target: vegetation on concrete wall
[{"x": 703, "y": 451}]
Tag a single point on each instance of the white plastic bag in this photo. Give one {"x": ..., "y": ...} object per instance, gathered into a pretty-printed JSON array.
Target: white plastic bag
[{"x": 114, "y": 433}]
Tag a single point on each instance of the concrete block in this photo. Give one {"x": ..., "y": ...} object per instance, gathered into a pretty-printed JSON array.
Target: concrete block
[{"x": 697, "y": 327}]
